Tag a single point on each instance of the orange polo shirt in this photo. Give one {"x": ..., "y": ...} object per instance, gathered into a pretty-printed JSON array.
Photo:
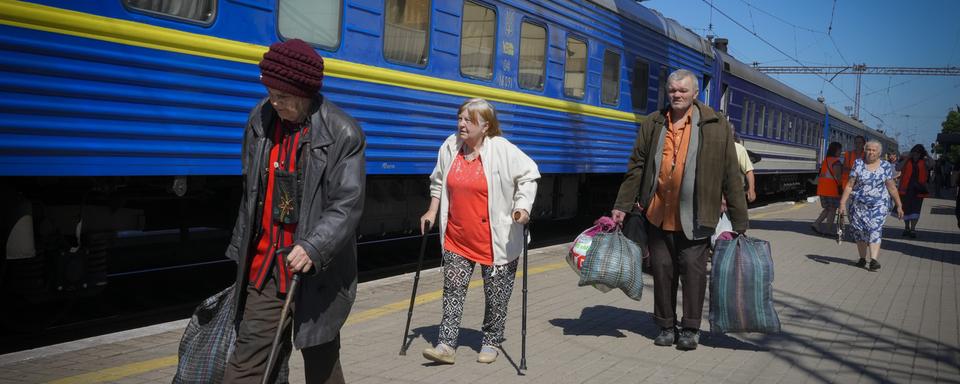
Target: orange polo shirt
[{"x": 664, "y": 210}]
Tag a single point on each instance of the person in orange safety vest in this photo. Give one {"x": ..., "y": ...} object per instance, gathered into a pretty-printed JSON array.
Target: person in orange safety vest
[{"x": 829, "y": 188}]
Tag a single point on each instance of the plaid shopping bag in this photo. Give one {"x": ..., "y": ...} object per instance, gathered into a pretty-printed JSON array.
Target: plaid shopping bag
[
  {"x": 208, "y": 340},
  {"x": 741, "y": 287},
  {"x": 613, "y": 261}
]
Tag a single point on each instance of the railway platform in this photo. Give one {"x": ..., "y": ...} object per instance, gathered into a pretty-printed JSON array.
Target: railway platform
[{"x": 841, "y": 324}]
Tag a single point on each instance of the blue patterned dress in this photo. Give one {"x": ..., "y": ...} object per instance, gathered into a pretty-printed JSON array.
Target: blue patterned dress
[{"x": 868, "y": 201}]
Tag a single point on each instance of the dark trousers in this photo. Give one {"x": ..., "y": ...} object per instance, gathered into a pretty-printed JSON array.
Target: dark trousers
[
  {"x": 258, "y": 327},
  {"x": 673, "y": 257},
  {"x": 321, "y": 363}
]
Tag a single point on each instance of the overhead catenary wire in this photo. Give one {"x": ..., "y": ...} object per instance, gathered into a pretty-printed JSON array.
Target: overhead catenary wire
[
  {"x": 833, "y": 11},
  {"x": 780, "y": 19},
  {"x": 782, "y": 52}
]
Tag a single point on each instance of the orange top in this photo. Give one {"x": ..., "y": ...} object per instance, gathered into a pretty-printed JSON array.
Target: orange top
[
  {"x": 849, "y": 158},
  {"x": 828, "y": 182},
  {"x": 664, "y": 210},
  {"x": 909, "y": 167},
  {"x": 468, "y": 224}
]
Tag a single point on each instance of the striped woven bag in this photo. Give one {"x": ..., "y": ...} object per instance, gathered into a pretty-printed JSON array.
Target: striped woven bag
[
  {"x": 741, "y": 287},
  {"x": 613, "y": 261}
]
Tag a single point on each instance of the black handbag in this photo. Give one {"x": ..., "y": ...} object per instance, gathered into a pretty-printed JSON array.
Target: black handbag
[{"x": 635, "y": 227}]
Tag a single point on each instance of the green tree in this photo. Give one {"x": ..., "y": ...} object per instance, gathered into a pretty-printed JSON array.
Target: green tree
[{"x": 951, "y": 125}]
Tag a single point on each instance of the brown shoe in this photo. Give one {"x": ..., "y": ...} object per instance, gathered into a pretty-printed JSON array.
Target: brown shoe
[
  {"x": 488, "y": 354},
  {"x": 442, "y": 353}
]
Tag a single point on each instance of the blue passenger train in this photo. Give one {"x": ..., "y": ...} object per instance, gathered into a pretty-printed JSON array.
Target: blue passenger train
[{"x": 121, "y": 120}]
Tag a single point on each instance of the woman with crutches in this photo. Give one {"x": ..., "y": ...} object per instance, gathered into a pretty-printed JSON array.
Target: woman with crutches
[{"x": 480, "y": 182}]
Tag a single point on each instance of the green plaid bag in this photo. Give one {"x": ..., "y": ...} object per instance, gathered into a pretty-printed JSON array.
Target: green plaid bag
[{"x": 613, "y": 261}]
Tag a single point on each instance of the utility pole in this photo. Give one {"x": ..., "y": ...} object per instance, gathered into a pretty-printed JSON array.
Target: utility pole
[{"x": 859, "y": 70}]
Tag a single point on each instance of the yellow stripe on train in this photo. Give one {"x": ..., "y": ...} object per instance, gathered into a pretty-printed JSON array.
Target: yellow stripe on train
[{"x": 57, "y": 20}]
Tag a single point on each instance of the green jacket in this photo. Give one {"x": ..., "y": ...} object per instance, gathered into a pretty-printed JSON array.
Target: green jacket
[{"x": 711, "y": 172}]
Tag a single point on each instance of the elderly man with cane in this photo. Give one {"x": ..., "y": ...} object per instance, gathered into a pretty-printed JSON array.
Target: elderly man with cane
[{"x": 303, "y": 183}]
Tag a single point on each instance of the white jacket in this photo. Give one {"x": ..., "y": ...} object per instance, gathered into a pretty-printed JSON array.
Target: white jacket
[{"x": 511, "y": 184}]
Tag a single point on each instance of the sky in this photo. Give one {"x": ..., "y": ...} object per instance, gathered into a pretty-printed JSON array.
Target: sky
[{"x": 880, "y": 33}]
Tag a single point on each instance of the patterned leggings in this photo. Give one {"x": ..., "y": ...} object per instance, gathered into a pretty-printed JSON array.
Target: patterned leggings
[{"x": 497, "y": 287}]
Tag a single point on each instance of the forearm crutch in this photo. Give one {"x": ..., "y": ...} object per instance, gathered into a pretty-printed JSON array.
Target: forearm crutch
[
  {"x": 280, "y": 327},
  {"x": 523, "y": 318},
  {"x": 413, "y": 294}
]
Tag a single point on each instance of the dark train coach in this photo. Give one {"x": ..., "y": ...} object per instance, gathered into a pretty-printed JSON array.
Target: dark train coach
[{"x": 121, "y": 120}]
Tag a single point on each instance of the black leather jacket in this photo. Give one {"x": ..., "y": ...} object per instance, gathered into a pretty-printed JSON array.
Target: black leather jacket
[{"x": 333, "y": 167}]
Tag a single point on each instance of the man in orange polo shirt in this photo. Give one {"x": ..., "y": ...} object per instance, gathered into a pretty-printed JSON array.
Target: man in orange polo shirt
[{"x": 683, "y": 162}]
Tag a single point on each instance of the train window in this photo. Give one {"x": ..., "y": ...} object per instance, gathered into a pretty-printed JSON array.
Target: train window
[
  {"x": 785, "y": 129},
  {"x": 805, "y": 133},
  {"x": 575, "y": 70},
  {"x": 778, "y": 133},
  {"x": 662, "y": 90},
  {"x": 314, "y": 21},
  {"x": 725, "y": 100},
  {"x": 533, "y": 55},
  {"x": 752, "y": 119},
  {"x": 801, "y": 131},
  {"x": 744, "y": 116},
  {"x": 762, "y": 120},
  {"x": 640, "y": 85},
  {"x": 610, "y": 86},
  {"x": 707, "y": 84},
  {"x": 197, "y": 11},
  {"x": 477, "y": 40},
  {"x": 798, "y": 131},
  {"x": 770, "y": 122},
  {"x": 791, "y": 128},
  {"x": 406, "y": 31}
]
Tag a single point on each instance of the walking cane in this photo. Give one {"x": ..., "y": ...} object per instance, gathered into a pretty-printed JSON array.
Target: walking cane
[
  {"x": 283, "y": 319},
  {"x": 523, "y": 319},
  {"x": 839, "y": 226},
  {"x": 413, "y": 294}
]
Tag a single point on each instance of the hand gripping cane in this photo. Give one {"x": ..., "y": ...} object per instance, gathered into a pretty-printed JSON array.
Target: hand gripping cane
[
  {"x": 413, "y": 294},
  {"x": 271, "y": 361},
  {"x": 523, "y": 321}
]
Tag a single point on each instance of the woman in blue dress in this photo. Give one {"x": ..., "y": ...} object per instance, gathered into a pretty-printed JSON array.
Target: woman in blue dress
[{"x": 870, "y": 189}]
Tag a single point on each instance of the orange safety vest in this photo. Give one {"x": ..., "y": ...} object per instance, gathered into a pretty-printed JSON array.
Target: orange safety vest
[
  {"x": 828, "y": 184},
  {"x": 908, "y": 169},
  {"x": 849, "y": 158}
]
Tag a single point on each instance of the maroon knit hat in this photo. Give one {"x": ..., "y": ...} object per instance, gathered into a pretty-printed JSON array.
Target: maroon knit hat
[{"x": 294, "y": 67}]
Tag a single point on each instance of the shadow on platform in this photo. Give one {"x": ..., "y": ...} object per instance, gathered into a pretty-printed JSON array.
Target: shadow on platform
[
  {"x": 829, "y": 333},
  {"x": 830, "y": 259},
  {"x": 920, "y": 251},
  {"x": 604, "y": 320}
]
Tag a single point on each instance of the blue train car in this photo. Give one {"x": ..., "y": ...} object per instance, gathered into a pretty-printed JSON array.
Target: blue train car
[
  {"x": 122, "y": 119},
  {"x": 789, "y": 130}
]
